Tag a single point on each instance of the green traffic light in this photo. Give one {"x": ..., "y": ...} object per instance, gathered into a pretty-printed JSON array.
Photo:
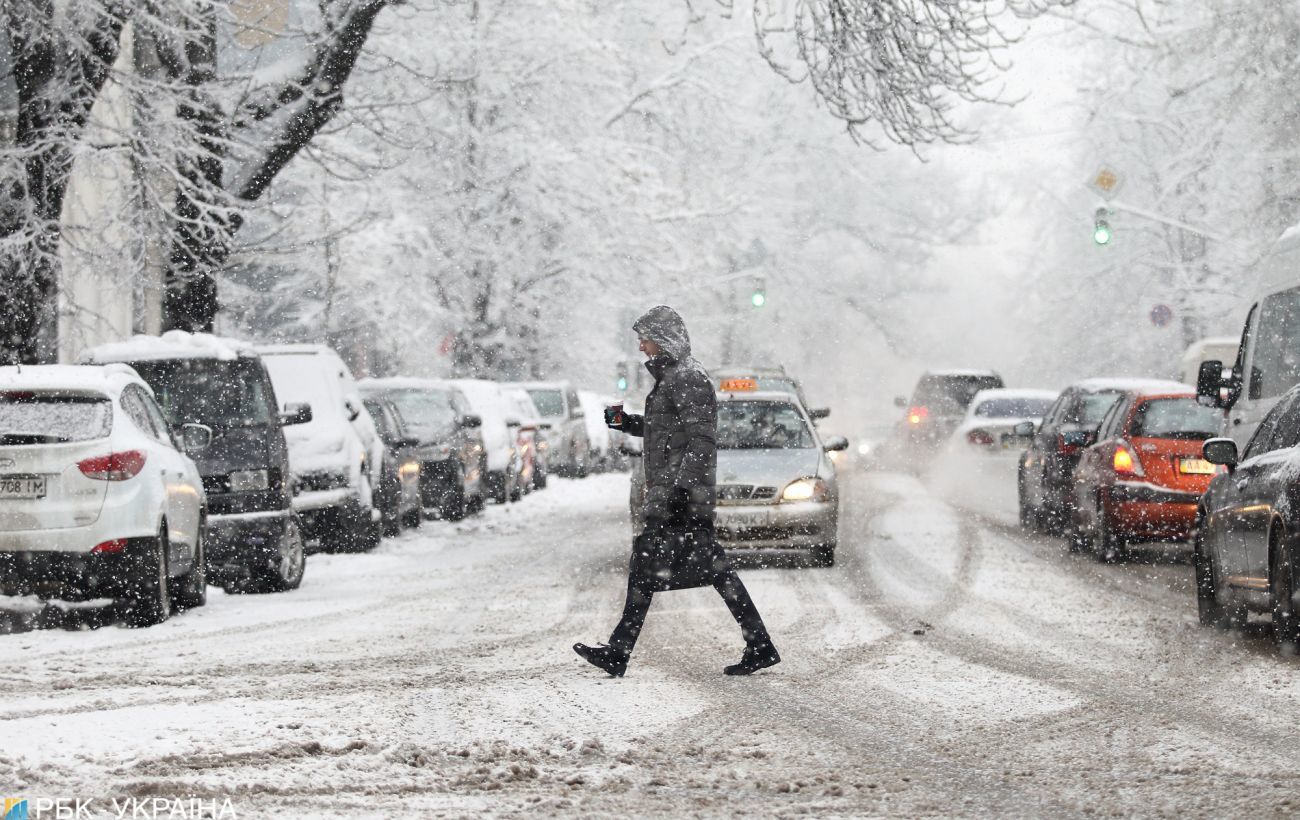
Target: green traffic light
[
  {"x": 1101, "y": 234},
  {"x": 758, "y": 299},
  {"x": 622, "y": 382}
]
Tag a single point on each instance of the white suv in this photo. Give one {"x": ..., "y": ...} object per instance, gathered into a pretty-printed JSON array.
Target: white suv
[
  {"x": 337, "y": 457},
  {"x": 96, "y": 497}
]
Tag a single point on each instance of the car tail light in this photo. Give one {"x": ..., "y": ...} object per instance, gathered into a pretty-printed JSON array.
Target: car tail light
[
  {"x": 114, "y": 466},
  {"x": 980, "y": 437},
  {"x": 916, "y": 415},
  {"x": 110, "y": 547},
  {"x": 1124, "y": 462}
]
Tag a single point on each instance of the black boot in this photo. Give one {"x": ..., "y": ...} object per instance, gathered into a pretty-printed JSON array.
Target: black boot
[
  {"x": 603, "y": 657},
  {"x": 754, "y": 659}
]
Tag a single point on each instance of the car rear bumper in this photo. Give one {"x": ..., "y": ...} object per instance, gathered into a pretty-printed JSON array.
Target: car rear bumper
[
  {"x": 776, "y": 526},
  {"x": 244, "y": 540},
  {"x": 1142, "y": 511},
  {"x": 71, "y": 574}
]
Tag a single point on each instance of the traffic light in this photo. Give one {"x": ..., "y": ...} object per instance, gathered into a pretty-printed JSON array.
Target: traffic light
[
  {"x": 622, "y": 377},
  {"x": 1101, "y": 226},
  {"x": 759, "y": 297}
]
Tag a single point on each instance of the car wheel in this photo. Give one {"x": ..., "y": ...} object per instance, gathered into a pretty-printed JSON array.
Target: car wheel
[
  {"x": 192, "y": 587},
  {"x": 1209, "y": 611},
  {"x": 454, "y": 504},
  {"x": 1286, "y": 624},
  {"x": 286, "y": 570},
  {"x": 823, "y": 555},
  {"x": 1028, "y": 515},
  {"x": 413, "y": 519},
  {"x": 150, "y": 602},
  {"x": 516, "y": 488},
  {"x": 539, "y": 480},
  {"x": 1108, "y": 547}
]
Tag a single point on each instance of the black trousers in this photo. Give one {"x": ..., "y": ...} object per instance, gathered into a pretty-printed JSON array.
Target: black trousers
[{"x": 728, "y": 585}]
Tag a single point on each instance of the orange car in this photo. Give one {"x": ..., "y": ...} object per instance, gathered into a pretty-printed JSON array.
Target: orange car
[{"x": 1143, "y": 477}]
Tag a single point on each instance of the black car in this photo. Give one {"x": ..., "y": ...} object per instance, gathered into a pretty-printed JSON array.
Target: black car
[
  {"x": 1247, "y": 526},
  {"x": 398, "y": 494},
  {"x": 253, "y": 539},
  {"x": 1045, "y": 477},
  {"x": 453, "y": 461},
  {"x": 937, "y": 406}
]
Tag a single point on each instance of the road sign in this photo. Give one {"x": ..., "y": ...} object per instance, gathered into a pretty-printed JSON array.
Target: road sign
[
  {"x": 1105, "y": 182},
  {"x": 1161, "y": 315}
]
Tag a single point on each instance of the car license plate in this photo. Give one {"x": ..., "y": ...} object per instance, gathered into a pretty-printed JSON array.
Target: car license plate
[
  {"x": 1195, "y": 466},
  {"x": 22, "y": 486},
  {"x": 743, "y": 522}
]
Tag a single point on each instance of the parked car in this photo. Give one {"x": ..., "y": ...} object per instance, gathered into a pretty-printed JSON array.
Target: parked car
[
  {"x": 453, "y": 464},
  {"x": 937, "y": 405},
  {"x": 97, "y": 499},
  {"x": 398, "y": 494},
  {"x": 336, "y": 456},
  {"x": 748, "y": 379},
  {"x": 500, "y": 432},
  {"x": 531, "y": 438},
  {"x": 1267, "y": 361},
  {"x": 1045, "y": 476},
  {"x": 776, "y": 486},
  {"x": 557, "y": 403},
  {"x": 253, "y": 541},
  {"x": 1142, "y": 479},
  {"x": 1246, "y": 549},
  {"x": 600, "y": 441}
]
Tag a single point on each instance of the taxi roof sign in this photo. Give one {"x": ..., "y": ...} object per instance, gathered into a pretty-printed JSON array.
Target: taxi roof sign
[{"x": 739, "y": 385}]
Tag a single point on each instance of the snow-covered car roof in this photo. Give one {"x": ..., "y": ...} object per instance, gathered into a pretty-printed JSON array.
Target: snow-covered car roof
[
  {"x": 1132, "y": 384},
  {"x": 556, "y": 385},
  {"x": 404, "y": 383},
  {"x": 174, "y": 344},
  {"x": 959, "y": 371},
  {"x": 297, "y": 350},
  {"x": 109, "y": 380}
]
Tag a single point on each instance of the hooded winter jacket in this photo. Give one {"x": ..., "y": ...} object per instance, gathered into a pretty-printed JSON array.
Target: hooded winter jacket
[{"x": 680, "y": 423}]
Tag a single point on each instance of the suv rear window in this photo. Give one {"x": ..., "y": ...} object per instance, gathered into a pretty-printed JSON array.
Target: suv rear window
[
  {"x": 1175, "y": 418},
  {"x": 222, "y": 393},
  {"x": 53, "y": 418},
  {"x": 549, "y": 403},
  {"x": 429, "y": 414},
  {"x": 951, "y": 395}
]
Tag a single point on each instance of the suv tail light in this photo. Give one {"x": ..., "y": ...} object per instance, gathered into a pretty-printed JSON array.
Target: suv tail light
[
  {"x": 110, "y": 547},
  {"x": 114, "y": 466},
  {"x": 916, "y": 415}
]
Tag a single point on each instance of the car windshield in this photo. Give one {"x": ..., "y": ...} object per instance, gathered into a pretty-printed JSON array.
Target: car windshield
[
  {"x": 428, "y": 414},
  {"x": 53, "y": 418},
  {"x": 1176, "y": 418},
  {"x": 761, "y": 425},
  {"x": 216, "y": 392},
  {"x": 951, "y": 395},
  {"x": 549, "y": 403},
  {"x": 1013, "y": 408}
]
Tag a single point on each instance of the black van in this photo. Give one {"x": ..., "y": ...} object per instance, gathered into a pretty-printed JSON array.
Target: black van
[{"x": 252, "y": 539}]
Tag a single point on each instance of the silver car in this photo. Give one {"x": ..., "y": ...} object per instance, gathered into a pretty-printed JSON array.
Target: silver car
[{"x": 776, "y": 484}]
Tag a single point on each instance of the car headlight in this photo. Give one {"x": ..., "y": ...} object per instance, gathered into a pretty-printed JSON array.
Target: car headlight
[
  {"x": 806, "y": 489},
  {"x": 864, "y": 448},
  {"x": 245, "y": 481}
]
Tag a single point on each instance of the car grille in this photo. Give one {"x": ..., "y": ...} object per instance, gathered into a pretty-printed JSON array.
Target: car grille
[{"x": 745, "y": 494}]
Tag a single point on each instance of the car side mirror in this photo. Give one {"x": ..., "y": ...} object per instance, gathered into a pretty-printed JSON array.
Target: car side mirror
[
  {"x": 1220, "y": 451},
  {"x": 513, "y": 423},
  {"x": 295, "y": 414},
  {"x": 835, "y": 444},
  {"x": 819, "y": 413},
  {"x": 1024, "y": 429},
  {"x": 1209, "y": 383},
  {"x": 471, "y": 421},
  {"x": 195, "y": 437},
  {"x": 545, "y": 425},
  {"x": 900, "y": 401}
]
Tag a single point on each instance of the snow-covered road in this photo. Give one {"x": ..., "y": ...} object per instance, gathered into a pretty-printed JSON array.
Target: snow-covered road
[{"x": 948, "y": 665}]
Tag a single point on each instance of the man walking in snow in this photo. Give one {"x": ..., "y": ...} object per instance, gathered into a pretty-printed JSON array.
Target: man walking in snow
[{"x": 678, "y": 549}]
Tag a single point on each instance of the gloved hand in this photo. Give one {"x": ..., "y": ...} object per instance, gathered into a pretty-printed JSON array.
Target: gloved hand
[{"x": 679, "y": 501}]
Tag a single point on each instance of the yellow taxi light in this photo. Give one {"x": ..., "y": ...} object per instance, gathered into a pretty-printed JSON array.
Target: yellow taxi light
[{"x": 739, "y": 385}]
